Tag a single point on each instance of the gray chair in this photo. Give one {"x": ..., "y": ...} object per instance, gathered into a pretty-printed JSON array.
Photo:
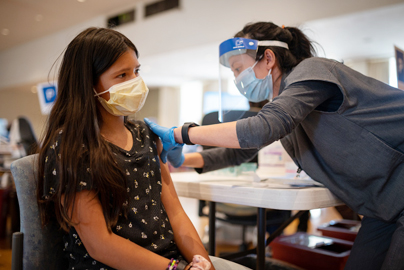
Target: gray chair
[{"x": 34, "y": 247}]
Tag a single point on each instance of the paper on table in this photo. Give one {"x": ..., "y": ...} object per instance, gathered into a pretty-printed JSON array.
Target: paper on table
[
  {"x": 252, "y": 179},
  {"x": 290, "y": 179}
]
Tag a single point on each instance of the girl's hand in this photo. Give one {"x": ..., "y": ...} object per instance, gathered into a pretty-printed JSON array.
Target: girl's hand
[{"x": 199, "y": 262}]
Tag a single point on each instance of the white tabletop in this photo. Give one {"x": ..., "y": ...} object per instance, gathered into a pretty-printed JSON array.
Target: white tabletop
[{"x": 242, "y": 190}]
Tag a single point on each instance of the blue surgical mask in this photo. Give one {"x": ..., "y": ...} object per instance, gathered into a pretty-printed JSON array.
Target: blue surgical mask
[{"x": 255, "y": 90}]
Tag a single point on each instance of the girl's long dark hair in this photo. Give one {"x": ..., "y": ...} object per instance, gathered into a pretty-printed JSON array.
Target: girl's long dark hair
[
  {"x": 300, "y": 47},
  {"x": 75, "y": 113}
]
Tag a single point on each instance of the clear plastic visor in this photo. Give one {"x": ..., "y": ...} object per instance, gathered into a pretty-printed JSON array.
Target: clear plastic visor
[{"x": 232, "y": 104}]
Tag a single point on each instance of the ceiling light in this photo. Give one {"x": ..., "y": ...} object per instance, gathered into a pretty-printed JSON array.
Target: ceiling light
[
  {"x": 81, "y": 1},
  {"x": 38, "y": 17},
  {"x": 5, "y": 32}
]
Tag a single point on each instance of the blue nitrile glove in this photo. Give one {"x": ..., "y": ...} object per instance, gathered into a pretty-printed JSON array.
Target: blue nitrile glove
[
  {"x": 169, "y": 144},
  {"x": 175, "y": 156}
]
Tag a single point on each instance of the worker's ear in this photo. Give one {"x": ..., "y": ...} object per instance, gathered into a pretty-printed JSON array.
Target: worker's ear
[{"x": 270, "y": 59}]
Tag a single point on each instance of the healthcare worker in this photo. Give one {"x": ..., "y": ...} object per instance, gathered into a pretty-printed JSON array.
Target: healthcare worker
[{"x": 342, "y": 128}]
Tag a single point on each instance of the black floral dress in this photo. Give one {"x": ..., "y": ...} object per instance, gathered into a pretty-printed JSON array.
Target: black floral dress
[{"x": 147, "y": 222}]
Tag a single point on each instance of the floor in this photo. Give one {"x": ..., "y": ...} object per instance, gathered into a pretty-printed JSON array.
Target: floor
[
  {"x": 5, "y": 249},
  {"x": 318, "y": 217}
]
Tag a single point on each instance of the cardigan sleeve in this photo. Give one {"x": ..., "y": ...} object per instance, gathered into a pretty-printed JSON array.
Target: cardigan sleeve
[
  {"x": 279, "y": 117},
  {"x": 219, "y": 158}
]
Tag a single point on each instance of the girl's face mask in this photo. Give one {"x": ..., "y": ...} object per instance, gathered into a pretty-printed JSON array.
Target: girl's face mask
[
  {"x": 255, "y": 90},
  {"x": 125, "y": 98}
]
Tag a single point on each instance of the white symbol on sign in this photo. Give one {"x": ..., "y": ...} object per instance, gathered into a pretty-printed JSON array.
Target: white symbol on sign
[{"x": 49, "y": 93}]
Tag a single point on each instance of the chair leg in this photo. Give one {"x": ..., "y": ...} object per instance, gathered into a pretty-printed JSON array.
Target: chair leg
[
  {"x": 244, "y": 244},
  {"x": 212, "y": 228},
  {"x": 17, "y": 251}
]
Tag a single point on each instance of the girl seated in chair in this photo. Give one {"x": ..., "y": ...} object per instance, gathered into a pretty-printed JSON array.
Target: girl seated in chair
[{"x": 100, "y": 175}]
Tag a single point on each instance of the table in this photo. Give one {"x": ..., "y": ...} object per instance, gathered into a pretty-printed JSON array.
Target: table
[{"x": 242, "y": 190}]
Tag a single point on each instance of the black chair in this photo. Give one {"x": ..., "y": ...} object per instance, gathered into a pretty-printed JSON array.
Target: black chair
[
  {"x": 213, "y": 118},
  {"x": 28, "y": 138},
  {"x": 236, "y": 214},
  {"x": 22, "y": 134}
]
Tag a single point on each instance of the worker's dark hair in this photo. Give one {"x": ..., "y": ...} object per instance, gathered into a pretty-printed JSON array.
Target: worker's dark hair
[{"x": 300, "y": 47}]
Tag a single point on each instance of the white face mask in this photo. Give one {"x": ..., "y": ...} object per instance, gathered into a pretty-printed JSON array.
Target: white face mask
[{"x": 125, "y": 98}]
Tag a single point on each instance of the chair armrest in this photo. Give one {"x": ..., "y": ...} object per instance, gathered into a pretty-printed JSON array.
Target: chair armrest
[{"x": 17, "y": 251}]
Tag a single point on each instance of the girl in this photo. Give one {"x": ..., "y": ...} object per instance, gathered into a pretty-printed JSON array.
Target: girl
[{"x": 99, "y": 174}]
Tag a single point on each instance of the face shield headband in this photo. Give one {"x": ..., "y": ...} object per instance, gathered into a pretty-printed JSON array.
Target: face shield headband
[{"x": 237, "y": 46}]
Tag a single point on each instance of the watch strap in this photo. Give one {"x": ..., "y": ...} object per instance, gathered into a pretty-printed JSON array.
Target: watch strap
[
  {"x": 184, "y": 132},
  {"x": 182, "y": 265}
]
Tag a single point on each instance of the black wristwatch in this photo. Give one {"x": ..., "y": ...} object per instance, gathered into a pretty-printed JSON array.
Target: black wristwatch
[{"x": 184, "y": 132}]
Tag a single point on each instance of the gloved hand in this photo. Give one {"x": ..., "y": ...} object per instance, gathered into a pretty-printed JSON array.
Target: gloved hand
[
  {"x": 175, "y": 156},
  {"x": 170, "y": 146},
  {"x": 199, "y": 262}
]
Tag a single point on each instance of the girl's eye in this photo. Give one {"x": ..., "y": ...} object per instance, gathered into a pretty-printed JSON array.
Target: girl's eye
[
  {"x": 137, "y": 71},
  {"x": 122, "y": 75}
]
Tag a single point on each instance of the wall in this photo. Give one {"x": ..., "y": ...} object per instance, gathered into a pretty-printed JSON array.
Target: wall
[
  {"x": 150, "y": 108},
  {"x": 20, "y": 101},
  {"x": 169, "y": 106},
  {"x": 375, "y": 68}
]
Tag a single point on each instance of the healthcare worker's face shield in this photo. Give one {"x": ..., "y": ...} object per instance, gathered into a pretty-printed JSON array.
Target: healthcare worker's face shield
[
  {"x": 235, "y": 56},
  {"x": 237, "y": 60}
]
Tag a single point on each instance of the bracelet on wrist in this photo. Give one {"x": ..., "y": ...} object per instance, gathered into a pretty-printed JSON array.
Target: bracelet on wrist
[{"x": 172, "y": 265}]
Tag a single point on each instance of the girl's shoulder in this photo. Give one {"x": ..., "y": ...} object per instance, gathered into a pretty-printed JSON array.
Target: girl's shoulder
[
  {"x": 54, "y": 146},
  {"x": 51, "y": 167},
  {"x": 136, "y": 124},
  {"x": 140, "y": 127}
]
